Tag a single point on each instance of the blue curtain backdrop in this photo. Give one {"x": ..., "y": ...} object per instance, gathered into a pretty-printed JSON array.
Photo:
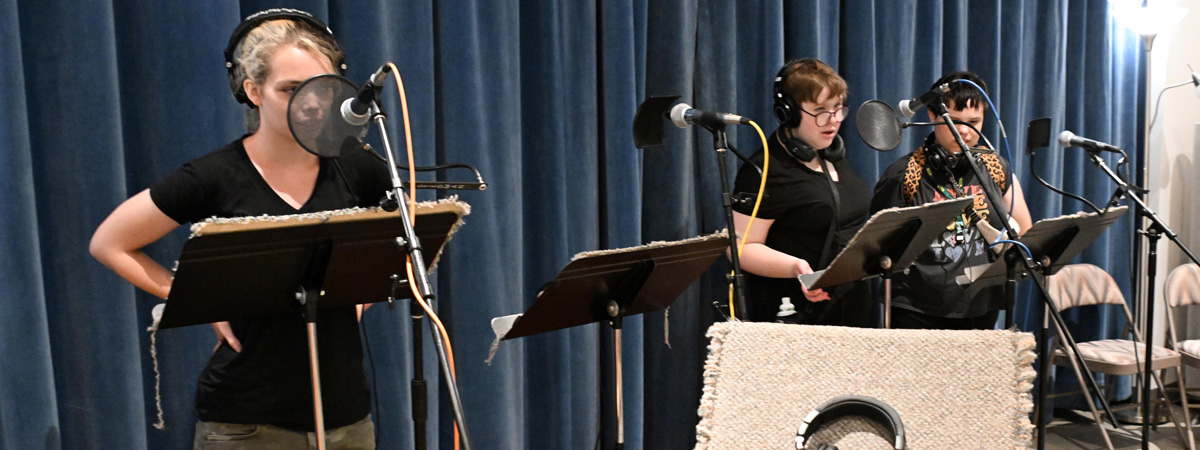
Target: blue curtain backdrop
[{"x": 101, "y": 98}]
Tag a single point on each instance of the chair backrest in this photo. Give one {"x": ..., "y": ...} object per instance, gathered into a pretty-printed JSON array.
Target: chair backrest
[
  {"x": 1183, "y": 286},
  {"x": 1081, "y": 285}
]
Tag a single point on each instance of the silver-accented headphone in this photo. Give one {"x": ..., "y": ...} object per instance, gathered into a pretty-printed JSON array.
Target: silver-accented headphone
[{"x": 851, "y": 405}]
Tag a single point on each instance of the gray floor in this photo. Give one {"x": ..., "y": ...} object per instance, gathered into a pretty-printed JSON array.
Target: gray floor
[{"x": 1072, "y": 430}]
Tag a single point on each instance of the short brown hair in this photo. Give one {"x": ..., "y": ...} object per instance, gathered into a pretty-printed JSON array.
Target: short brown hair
[{"x": 804, "y": 79}]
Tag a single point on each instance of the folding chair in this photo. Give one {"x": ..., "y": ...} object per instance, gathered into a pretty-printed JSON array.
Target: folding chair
[
  {"x": 1183, "y": 289},
  {"x": 1087, "y": 285}
]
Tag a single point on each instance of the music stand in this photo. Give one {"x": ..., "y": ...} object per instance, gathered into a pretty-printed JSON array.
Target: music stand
[
  {"x": 1051, "y": 243},
  {"x": 889, "y": 241},
  {"x": 259, "y": 266},
  {"x": 611, "y": 285}
]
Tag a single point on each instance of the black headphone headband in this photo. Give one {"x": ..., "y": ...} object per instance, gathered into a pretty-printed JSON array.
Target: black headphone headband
[
  {"x": 786, "y": 109},
  {"x": 852, "y": 405},
  {"x": 253, "y": 21}
]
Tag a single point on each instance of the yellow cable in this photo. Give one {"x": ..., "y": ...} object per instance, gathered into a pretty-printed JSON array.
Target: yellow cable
[{"x": 762, "y": 187}]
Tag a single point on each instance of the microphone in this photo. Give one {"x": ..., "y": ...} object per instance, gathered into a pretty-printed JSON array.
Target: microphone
[
  {"x": 1069, "y": 139},
  {"x": 683, "y": 115},
  {"x": 355, "y": 109},
  {"x": 910, "y": 107}
]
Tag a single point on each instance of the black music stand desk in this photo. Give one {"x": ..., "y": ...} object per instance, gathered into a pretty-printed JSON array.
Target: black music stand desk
[
  {"x": 889, "y": 241},
  {"x": 259, "y": 266},
  {"x": 606, "y": 286},
  {"x": 1051, "y": 242}
]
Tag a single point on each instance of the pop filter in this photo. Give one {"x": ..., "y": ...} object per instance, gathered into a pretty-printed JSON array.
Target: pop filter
[
  {"x": 878, "y": 125},
  {"x": 315, "y": 116}
]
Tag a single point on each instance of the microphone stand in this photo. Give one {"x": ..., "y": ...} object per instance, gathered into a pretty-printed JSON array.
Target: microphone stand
[
  {"x": 1153, "y": 232},
  {"x": 721, "y": 145},
  {"x": 989, "y": 189},
  {"x": 997, "y": 201},
  {"x": 409, "y": 242}
]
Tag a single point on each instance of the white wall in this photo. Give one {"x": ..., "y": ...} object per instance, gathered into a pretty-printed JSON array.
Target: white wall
[{"x": 1175, "y": 150}]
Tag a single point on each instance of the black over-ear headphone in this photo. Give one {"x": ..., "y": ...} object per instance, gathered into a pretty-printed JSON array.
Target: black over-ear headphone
[
  {"x": 254, "y": 20},
  {"x": 786, "y": 109},
  {"x": 851, "y": 405},
  {"x": 804, "y": 152},
  {"x": 937, "y": 156}
]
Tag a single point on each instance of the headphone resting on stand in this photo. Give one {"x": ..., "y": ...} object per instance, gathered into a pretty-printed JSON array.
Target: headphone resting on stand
[
  {"x": 254, "y": 20},
  {"x": 851, "y": 405}
]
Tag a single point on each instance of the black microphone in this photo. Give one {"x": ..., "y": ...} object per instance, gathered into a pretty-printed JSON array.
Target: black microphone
[
  {"x": 910, "y": 107},
  {"x": 355, "y": 109},
  {"x": 1069, "y": 139},
  {"x": 683, "y": 115}
]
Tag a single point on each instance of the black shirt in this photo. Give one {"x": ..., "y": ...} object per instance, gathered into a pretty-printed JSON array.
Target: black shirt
[
  {"x": 269, "y": 381},
  {"x": 800, "y": 202},
  {"x": 934, "y": 284}
]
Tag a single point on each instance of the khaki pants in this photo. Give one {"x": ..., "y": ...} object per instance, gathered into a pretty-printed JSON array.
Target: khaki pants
[{"x": 236, "y": 436}]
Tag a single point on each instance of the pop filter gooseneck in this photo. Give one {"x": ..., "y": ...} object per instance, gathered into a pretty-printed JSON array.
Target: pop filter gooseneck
[{"x": 315, "y": 117}]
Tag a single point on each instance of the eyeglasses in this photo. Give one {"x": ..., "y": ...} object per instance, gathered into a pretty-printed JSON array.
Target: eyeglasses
[{"x": 824, "y": 117}]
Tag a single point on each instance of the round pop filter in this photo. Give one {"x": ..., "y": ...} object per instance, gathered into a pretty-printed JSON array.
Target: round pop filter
[
  {"x": 315, "y": 117},
  {"x": 878, "y": 125}
]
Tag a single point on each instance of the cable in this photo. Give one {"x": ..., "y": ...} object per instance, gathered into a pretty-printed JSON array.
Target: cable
[
  {"x": 762, "y": 187},
  {"x": 1010, "y": 241},
  {"x": 412, "y": 212},
  {"x": 1004, "y": 141},
  {"x": 1033, "y": 170},
  {"x": 441, "y": 329},
  {"x": 412, "y": 174}
]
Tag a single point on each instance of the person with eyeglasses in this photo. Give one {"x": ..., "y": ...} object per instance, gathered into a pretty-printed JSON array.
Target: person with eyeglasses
[
  {"x": 813, "y": 204},
  {"x": 931, "y": 295}
]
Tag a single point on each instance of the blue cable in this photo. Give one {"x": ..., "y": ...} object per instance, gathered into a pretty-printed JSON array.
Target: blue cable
[
  {"x": 1017, "y": 243},
  {"x": 1003, "y": 142}
]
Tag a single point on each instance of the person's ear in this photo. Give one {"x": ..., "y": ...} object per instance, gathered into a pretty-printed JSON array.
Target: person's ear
[{"x": 252, "y": 92}]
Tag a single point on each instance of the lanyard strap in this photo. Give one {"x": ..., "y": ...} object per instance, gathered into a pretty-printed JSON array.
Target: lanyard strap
[{"x": 833, "y": 222}]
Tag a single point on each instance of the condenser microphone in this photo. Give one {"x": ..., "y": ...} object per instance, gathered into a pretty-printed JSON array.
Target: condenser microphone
[
  {"x": 683, "y": 115},
  {"x": 356, "y": 110},
  {"x": 1069, "y": 139},
  {"x": 910, "y": 107}
]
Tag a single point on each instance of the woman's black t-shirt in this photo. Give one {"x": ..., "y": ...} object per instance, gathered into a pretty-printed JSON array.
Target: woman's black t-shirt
[
  {"x": 800, "y": 202},
  {"x": 269, "y": 381}
]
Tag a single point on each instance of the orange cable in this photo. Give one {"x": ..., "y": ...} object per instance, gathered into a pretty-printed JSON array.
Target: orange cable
[
  {"x": 412, "y": 214},
  {"x": 412, "y": 166}
]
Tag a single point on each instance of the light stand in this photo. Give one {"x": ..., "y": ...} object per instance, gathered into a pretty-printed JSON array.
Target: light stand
[{"x": 1146, "y": 20}]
